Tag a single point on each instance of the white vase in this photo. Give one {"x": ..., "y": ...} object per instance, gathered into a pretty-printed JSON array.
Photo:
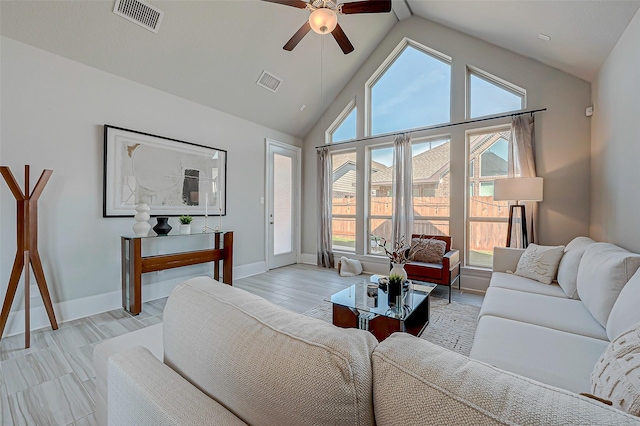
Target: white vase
[
  {"x": 142, "y": 227},
  {"x": 398, "y": 269},
  {"x": 185, "y": 229}
]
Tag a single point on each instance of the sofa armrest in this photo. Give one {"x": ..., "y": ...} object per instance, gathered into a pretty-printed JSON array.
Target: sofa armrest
[
  {"x": 506, "y": 258},
  {"x": 449, "y": 388},
  {"x": 144, "y": 391}
]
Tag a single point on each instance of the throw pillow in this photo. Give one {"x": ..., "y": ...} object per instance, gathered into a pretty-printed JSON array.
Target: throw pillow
[
  {"x": 626, "y": 310},
  {"x": 568, "y": 268},
  {"x": 540, "y": 263},
  {"x": 349, "y": 267},
  {"x": 427, "y": 251},
  {"x": 616, "y": 376}
]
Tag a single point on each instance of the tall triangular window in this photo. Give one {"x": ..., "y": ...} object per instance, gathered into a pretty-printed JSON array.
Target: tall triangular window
[
  {"x": 411, "y": 89},
  {"x": 347, "y": 129},
  {"x": 488, "y": 95}
]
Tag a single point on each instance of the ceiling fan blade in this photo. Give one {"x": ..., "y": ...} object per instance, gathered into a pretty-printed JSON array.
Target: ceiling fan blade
[
  {"x": 299, "y": 35},
  {"x": 342, "y": 40},
  {"x": 367, "y": 6},
  {"x": 300, "y": 4}
]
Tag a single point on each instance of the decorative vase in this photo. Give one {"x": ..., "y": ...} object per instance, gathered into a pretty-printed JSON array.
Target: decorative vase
[
  {"x": 395, "y": 293},
  {"x": 162, "y": 227},
  {"x": 185, "y": 229},
  {"x": 142, "y": 227},
  {"x": 398, "y": 269}
]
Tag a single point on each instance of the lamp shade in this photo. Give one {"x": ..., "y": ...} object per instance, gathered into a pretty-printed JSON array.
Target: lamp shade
[
  {"x": 518, "y": 189},
  {"x": 323, "y": 20}
]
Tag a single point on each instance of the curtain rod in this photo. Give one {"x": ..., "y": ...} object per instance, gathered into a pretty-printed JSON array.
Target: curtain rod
[{"x": 438, "y": 126}]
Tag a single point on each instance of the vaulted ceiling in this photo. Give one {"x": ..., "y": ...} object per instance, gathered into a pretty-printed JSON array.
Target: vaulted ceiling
[{"x": 212, "y": 52}]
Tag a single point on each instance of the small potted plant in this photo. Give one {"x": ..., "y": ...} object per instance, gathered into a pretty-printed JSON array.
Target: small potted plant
[{"x": 185, "y": 224}]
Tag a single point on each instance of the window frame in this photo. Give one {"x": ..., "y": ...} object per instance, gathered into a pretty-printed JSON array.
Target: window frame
[
  {"x": 496, "y": 81},
  {"x": 384, "y": 67},
  {"x": 328, "y": 135}
]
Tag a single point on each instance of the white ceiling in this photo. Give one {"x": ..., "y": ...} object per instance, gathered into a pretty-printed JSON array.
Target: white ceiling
[
  {"x": 212, "y": 52},
  {"x": 583, "y": 33}
]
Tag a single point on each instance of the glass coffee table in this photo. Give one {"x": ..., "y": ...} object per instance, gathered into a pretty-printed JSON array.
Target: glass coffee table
[{"x": 366, "y": 306}]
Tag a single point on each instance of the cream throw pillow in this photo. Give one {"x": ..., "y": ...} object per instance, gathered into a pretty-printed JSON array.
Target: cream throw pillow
[
  {"x": 427, "y": 251},
  {"x": 616, "y": 376},
  {"x": 540, "y": 263}
]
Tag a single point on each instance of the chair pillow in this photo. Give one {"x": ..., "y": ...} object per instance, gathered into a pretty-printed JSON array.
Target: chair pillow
[
  {"x": 616, "y": 376},
  {"x": 568, "y": 268},
  {"x": 604, "y": 269},
  {"x": 626, "y": 310},
  {"x": 427, "y": 251},
  {"x": 540, "y": 263}
]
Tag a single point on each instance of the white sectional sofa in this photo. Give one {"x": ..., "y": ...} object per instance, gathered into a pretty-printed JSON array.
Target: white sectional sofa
[
  {"x": 555, "y": 333},
  {"x": 224, "y": 357}
]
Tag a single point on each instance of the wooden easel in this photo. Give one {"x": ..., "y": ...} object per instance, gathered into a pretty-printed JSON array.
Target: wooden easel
[{"x": 27, "y": 250}]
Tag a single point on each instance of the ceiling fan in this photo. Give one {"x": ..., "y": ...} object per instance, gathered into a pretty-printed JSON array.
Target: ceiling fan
[{"x": 324, "y": 18}]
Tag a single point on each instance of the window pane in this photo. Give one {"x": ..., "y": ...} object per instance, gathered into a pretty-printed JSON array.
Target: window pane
[
  {"x": 413, "y": 92},
  {"x": 282, "y": 204},
  {"x": 346, "y": 130},
  {"x": 344, "y": 201},
  {"x": 380, "y": 199},
  {"x": 380, "y": 229},
  {"x": 431, "y": 227},
  {"x": 343, "y": 234},
  {"x": 488, "y": 98},
  {"x": 491, "y": 149},
  {"x": 431, "y": 181}
]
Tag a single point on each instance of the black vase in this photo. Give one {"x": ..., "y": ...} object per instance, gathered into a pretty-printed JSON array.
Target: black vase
[
  {"x": 162, "y": 227},
  {"x": 394, "y": 291}
]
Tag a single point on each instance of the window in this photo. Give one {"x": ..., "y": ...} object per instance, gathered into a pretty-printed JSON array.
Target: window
[
  {"x": 486, "y": 218},
  {"x": 431, "y": 190},
  {"x": 344, "y": 127},
  {"x": 347, "y": 130},
  {"x": 343, "y": 213},
  {"x": 412, "y": 89},
  {"x": 490, "y": 95}
]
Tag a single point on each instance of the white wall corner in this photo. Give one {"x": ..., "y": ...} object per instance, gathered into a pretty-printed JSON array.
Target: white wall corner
[{"x": 401, "y": 9}]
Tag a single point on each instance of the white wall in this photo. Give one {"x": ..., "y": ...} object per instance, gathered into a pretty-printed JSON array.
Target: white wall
[
  {"x": 615, "y": 144},
  {"x": 562, "y": 132},
  {"x": 52, "y": 116}
]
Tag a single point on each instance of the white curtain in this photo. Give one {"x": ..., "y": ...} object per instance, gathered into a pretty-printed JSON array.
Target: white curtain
[
  {"x": 325, "y": 183},
  {"x": 402, "y": 219},
  {"x": 523, "y": 163}
]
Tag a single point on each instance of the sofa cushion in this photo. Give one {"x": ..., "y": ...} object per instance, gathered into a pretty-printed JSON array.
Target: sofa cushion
[
  {"x": 550, "y": 356},
  {"x": 427, "y": 250},
  {"x": 559, "y": 313},
  {"x": 616, "y": 376},
  {"x": 515, "y": 282},
  {"x": 604, "y": 270},
  {"x": 266, "y": 364},
  {"x": 411, "y": 387},
  {"x": 626, "y": 311},
  {"x": 568, "y": 268},
  {"x": 540, "y": 263}
]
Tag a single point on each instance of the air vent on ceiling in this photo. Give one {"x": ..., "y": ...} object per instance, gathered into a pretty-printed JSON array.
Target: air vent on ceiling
[
  {"x": 139, "y": 12},
  {"x": 269, "y": 81}
]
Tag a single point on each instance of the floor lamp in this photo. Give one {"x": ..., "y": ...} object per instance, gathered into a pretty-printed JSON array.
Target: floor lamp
[{"x": 518, "y": 189}]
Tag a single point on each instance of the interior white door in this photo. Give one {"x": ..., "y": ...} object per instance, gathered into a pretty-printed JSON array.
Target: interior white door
[{"x": 283, "y": 204}]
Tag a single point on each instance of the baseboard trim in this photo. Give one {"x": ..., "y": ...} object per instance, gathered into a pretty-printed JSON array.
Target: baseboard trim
[
  {"x": 308, "y": 258},
  {"x": 249, "y": 269},
  {"x": 70, "y": 310}
]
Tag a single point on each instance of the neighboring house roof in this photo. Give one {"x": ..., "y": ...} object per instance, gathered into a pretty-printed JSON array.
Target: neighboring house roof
[
  {"x": 346, "y": 182},
  {"x": 427, "y": 167}
]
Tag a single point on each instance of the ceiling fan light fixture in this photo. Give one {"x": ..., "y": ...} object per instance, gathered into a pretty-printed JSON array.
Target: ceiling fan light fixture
[{"x": 323, "y": 20}]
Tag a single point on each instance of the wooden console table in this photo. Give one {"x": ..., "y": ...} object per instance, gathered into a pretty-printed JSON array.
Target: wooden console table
[{"x": 134, "y": 264}]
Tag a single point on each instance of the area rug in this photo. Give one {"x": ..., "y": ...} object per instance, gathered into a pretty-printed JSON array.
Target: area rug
[{"x": 451, "y": 325}]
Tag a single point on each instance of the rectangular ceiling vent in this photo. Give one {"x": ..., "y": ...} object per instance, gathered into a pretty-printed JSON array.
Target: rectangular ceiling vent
[
  {"x": 269, "y": 81},
  {"x": 139, "y": 12}
]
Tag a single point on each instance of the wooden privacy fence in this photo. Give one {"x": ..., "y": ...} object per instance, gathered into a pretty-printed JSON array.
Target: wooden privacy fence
[{"x": 483, "y": 235}]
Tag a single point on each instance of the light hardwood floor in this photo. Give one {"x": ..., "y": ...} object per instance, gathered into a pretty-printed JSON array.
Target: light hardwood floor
[{"x": 52, "y": 382}]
